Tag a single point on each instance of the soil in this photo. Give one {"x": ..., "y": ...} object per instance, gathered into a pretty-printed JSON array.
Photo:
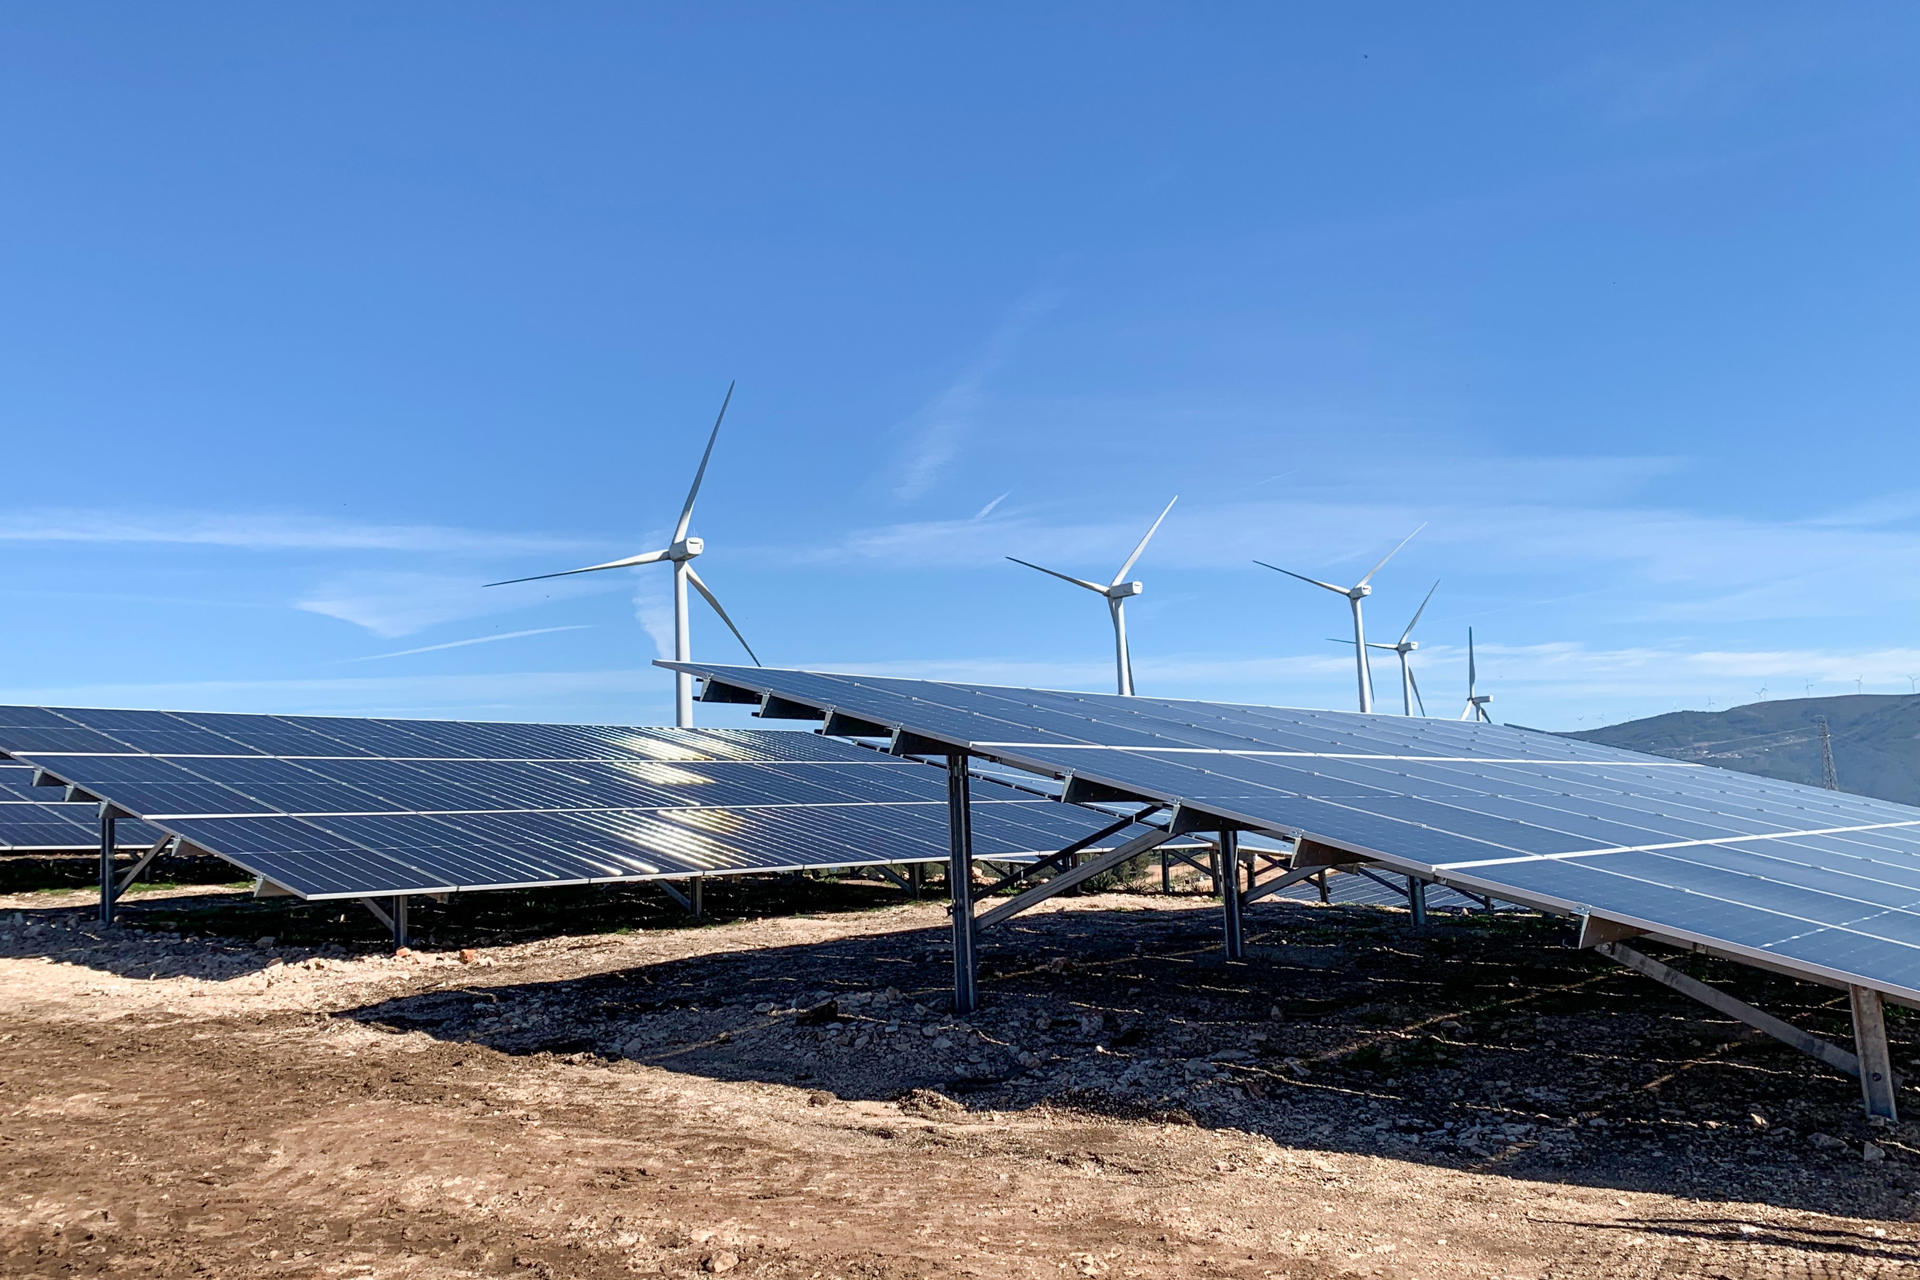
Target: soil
[{"x": 590, "y": 1085}]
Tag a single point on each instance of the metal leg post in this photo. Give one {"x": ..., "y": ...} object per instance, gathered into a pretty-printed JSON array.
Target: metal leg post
[
  {"x": 1236, "y": 945},
  {"x": 960, "y": 882},
  {"x": 1417, "y": 901},
  {"x": 917, "y": 880},
  {"x": 1870, "y": 1046},
  {"x": 107, "y": 887},
  {"x": 1166, "y": 873},
  {"x": 397, "y": 909},
  {"x": 699, "y": 907}
]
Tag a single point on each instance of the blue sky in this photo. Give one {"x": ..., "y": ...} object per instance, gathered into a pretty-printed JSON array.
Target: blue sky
[{"x": 318, "y": 317}]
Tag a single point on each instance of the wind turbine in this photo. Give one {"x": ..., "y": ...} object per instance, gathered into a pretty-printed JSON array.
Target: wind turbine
[
  {"x": 1476, "y": 703},
  {"x": 1117, "y": 593},
  {"x": 680, "y": 552},
  {"x": 1409, "y": 687},
  {"x": 1354, "y": 594}
]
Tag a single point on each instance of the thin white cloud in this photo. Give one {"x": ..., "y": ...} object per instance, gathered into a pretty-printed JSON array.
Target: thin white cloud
[
  {"x": 462, "y": 644},
  {"x": 940, "y": 428},
  {"x": 394, "y": 603},
  {"x": 988, "y": 510},
  {"x": 262, "y": 532}
]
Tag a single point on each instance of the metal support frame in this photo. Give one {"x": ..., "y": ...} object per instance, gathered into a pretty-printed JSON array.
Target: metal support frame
[
  {"x": 1065, "y": 858},
  {"x": 1875, "y": 1065},
  {"x": 107, "y": 891},
  {"x": 1286, "y": 880},
  {"x": 112, "y": 886},
  {"x": 1233, "y": 935},
  {"x": 1759, "y": 1019},
  {"x": 1204, "y": 864},
  {"x": 1142, "y": 843},
  {"x": 393, "y": 914},
  {"x": 1417, "y": 901},
  {"x": 888, "y": 873},
  {"x": 917, "y": 880},
  {"x": 966, "y": 994},
  {"x": 691, "y": 899}
]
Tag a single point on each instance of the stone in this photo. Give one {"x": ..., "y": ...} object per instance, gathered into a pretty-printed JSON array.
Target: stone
[
  {"x": 468, "y": 955},
  {"x": 1873, "y": 1153},
  {"x": 1824, "y": 1142},
  {"x": 720, "y": 1261},
  {"x": 265, "y": 941}
]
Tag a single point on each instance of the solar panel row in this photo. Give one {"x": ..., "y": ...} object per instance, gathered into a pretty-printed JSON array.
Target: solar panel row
[
  {"x": 1820, "y": 881},
  {"x": 312, "y": 804},
  {"x": 34, "y": 820}
]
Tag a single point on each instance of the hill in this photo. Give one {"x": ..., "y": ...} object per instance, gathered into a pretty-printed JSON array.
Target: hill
[{"x": 1876, "y": 740}]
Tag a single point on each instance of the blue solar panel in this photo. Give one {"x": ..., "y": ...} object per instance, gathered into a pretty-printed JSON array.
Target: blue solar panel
[
  {"x": 40, "y": 820},
  {"x": 1821, "y": 881},
  {"x": 337, "y": 807}
]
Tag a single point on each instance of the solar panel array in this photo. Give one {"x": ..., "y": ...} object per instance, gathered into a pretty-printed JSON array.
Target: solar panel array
[
  {"x": 36, "y": 820},
  {"x": 1823, "y": 882},
  {"x": 332, "y": 807}
]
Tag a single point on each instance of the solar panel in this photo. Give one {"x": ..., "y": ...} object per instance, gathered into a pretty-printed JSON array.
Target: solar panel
[
  {"x": 38, "y": 820},
  {"x": 335, "y": 807},
  {"x": 1817, "y": 881}
]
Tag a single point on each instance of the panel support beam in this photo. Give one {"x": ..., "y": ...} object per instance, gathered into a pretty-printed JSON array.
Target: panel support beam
[
  {"x": 391, "y": 912},
  {"x": 1066, "y": 855},
  {"x": 139, "y": 868},
  {"x": 1759, "y": 1019},
  {"x": 966, "y": 994},
  {"x": 1066, "y": 880},
  {"x": 107, "y": 890},
  {"x": 1234, "y": 935},
  {"x": 1285, "y": 880},
  {"x": 1870, "y": 1048}
]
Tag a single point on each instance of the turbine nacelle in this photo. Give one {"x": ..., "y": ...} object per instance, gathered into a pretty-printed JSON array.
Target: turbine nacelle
[
  {"x": 686, "y": 549},
  {"x": 1359, "y": 591},
  {"x": 1123, "y": 590}
]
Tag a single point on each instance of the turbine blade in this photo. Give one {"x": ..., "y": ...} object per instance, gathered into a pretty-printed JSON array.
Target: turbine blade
[
  {"x": 1120, "y": 577},
  {"x": 714, "y": 600},
  {"x": 645, "y": 557},
  {"x": 686, "y": 512},
  {"x": 1078, "y": 582},
  {"x": 1417, "y": 612},
  {"x": 1415, "y": 682},
  {"x": 1339, "y": 591},
  {"x": 1390, "y": 555}
]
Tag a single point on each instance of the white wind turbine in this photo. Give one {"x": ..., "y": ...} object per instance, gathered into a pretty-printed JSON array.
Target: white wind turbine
[
  {"x": 1355, "y": 594},
  {"x": 1477, "y": 703},
  {"x": 680, "y": 551},
  {"x": 1406, "y": 644},
  {"x": 1116, "y": 593}
]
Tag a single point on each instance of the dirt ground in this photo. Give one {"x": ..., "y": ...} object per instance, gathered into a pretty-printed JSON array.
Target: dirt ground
[{"x": 586, "y": 1085}]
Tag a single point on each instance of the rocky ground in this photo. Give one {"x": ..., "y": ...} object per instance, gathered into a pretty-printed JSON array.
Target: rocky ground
[{"x": 587, "y": 1084}]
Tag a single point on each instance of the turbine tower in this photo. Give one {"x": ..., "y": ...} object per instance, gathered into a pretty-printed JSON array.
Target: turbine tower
[
  {"x": 1476, "y": 703},
  {"x": 1116, "y": 593},
  {"x": 1354, "y": 594},
  {"x": 680, "y": 552}
]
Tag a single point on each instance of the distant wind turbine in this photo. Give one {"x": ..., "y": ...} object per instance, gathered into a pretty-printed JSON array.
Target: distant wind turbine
[
  {"x": 1476, "y": 702},
  {"x": 1355, "y": 594},
  {"x": 1117, "y": 593},
  {"x": 680, "y": 551}
]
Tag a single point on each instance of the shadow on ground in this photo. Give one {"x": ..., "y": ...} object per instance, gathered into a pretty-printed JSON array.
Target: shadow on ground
[{"x": 1484, "y": 1043}]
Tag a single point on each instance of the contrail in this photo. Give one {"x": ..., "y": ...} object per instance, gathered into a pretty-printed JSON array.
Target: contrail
[{"x": 461, "y": 644}]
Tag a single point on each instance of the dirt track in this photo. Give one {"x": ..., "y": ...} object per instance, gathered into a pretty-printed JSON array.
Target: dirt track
[{"x": 786, "y": 1097}]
